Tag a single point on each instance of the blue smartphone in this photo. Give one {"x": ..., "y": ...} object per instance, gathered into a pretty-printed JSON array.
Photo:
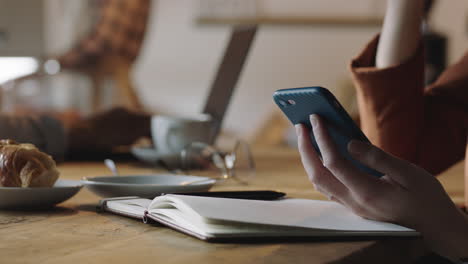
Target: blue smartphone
[{"x": 299, "y": 103}]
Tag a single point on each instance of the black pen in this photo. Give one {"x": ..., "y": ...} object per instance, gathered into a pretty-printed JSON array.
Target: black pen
[{"x": 265, "y": 195}]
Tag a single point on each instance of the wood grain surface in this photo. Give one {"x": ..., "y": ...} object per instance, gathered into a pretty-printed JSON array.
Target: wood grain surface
[{"x": 73, "y": 232}]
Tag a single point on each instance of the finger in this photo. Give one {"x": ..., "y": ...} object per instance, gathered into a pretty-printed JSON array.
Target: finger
[
  {"x": 341, "y": 168},
  {"x": 397, "y": 169},
  {"x": 324, "y": 181},
  {"x": 330, "y": 196},
  {"x": 350, "y": 203},
  {"x": 309, "y": 156}
]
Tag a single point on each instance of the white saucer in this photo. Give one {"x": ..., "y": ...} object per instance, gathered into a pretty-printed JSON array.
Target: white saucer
[
  {"x": 31, "y": 198},
  {"x": 152, "y": 156},
  {"x": 146, "y": 154},
  {"x": 148, "y": 186}
]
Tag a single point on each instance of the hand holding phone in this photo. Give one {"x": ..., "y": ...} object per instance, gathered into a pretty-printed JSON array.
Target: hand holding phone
[{"x": 299, "y": 103}]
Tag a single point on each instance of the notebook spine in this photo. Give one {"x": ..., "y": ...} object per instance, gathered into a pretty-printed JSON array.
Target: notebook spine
[{"x": 102, "y": 203}]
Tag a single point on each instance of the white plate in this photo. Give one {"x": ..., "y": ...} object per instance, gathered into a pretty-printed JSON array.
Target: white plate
[
  {"x": 148, "y": 186},
  {"x": 31, "y": 198}
]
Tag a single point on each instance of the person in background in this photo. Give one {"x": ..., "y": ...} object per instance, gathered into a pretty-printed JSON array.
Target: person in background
[
  {"x": 423, "y": 125},
  {"x": 117, "y": 28}
]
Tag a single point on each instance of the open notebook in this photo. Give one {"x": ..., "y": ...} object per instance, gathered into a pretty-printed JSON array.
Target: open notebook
[{"x": 209, "y": 218}]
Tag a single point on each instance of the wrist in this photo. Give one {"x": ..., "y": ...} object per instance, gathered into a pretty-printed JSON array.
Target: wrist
[{"x": 450, "y": 237}]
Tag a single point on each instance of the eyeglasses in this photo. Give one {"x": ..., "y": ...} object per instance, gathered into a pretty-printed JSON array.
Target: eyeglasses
[{"x": 237, "y": 164}]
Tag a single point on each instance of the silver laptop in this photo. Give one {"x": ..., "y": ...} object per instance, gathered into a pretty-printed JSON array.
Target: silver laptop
[{"x": 228, "y": 74}]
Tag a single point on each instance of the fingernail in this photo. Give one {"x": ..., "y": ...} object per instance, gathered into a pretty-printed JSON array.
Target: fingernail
[
  {"x": 298, "y": 129},
  {"x": 357, "y": 147},
  {"x": 313, "y": 120}
]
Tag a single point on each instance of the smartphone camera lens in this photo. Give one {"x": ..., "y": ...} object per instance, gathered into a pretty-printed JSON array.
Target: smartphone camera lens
[
  {"x": 283, "y": 103},
  {"x": 291, "y": 102}
]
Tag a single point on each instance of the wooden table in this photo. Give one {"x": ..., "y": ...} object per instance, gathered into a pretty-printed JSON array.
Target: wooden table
[{"x": 74, "y": 233}]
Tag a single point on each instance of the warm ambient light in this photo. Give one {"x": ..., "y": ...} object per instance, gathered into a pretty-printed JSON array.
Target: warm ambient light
[{"x": 14, "y": 67}]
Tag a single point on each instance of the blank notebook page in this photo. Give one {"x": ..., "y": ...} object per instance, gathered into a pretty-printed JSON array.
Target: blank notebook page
[{"x": 287, "y": 212}]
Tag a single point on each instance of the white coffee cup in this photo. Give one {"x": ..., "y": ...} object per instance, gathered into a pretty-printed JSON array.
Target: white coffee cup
[{"x": 172, "y": 134}]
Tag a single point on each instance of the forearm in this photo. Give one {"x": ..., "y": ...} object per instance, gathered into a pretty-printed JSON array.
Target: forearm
[
  {"x": 43, "y": 131},
  {"x": 104, "y": 131},
  {"x": 400, "y": 32},
  {"x": 430, "y": 211}
]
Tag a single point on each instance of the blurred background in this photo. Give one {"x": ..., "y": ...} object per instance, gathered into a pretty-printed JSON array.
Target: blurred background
[{"x": 168, "y": 63}]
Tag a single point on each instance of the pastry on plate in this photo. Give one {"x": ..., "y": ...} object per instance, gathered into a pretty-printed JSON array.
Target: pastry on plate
[{"x": 24, "y": 165}]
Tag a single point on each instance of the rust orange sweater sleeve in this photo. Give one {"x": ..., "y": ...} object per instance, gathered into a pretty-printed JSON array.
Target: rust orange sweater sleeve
[{"x": 427, "y": 126}]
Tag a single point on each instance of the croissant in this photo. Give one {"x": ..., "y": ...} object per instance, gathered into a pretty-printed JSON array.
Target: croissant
[{"x": 23, "y": 165}]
